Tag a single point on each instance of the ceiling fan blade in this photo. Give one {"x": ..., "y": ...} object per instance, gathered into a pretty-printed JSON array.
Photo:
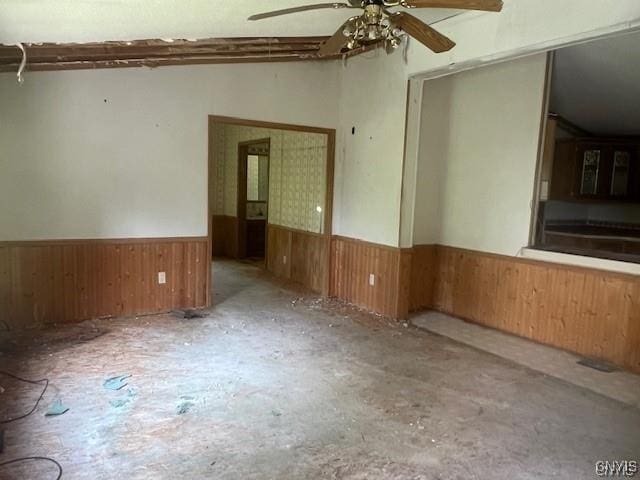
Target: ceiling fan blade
[
  {"x": 335, "y": 44},
  {"x": 422, "y": 32},
  {"x": 304, "y": 8},
  {"x": 487, "y": 5}
]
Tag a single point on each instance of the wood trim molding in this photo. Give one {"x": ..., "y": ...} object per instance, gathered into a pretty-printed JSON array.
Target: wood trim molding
[
  {"x": 241, "y": 192},
  {"x": 297, "y": 230},
  {"x": 93, "y": 241},
  {"x": 535, "y": 262},
  {"x": 157, "y": 53},
  {"x": 542, "y": 142},
  {"x": 366, "y": 243},
  {"x": 243, "y": 122}
]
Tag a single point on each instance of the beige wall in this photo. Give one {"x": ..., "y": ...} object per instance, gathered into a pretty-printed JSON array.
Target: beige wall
[
  {"x": 72, "y": 165},
  {"x": 522, "y": 28},
  {"x": 123, "y": 153},
  {"x": 369, "y": 164},
  {"x": 478, "y": 155},
  {"x": 297, "y": 174}
]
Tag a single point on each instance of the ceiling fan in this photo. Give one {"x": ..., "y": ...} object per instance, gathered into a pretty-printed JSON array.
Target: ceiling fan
[{"x": 380, "y": 25}]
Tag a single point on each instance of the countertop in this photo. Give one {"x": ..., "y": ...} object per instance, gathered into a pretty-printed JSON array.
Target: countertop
[{"x": 596, "y": 232}]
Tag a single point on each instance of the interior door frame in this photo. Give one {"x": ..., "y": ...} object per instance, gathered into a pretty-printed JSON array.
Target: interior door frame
[
  {"x": 241, "y": 207},
  {"x": 214, "y": 120},
  {"x": 542, "y": 144}
]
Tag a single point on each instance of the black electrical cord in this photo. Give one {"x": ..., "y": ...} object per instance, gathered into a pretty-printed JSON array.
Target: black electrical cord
[
  {"x": 27, "y": 459},
  {"x": 32, "y": 382}
]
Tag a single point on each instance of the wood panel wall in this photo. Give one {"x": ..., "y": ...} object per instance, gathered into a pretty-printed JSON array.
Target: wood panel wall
[
  {"x": 422, "y": 277},
  {"x": 307, "y": 257},
  {"x": 225, "y": 236},
  {"x": 586, "y": 311},
  {"x": 56, "y": 282},
  {"x": 352, "y": 261}
]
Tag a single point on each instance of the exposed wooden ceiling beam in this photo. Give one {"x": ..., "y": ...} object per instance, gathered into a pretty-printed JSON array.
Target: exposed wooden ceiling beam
[{"x": 155, "y": 53}]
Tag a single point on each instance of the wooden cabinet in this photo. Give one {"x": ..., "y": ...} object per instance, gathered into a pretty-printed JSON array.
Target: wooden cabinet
[
  {"x": 256, "y": 232},
  {"x": 564, "y": 173},
  {"x": 596, "y": 169}
]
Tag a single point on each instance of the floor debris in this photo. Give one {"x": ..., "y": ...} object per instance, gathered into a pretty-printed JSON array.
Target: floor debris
[
  {"x": 121, "y": 402},
  {"x": 188, "y": 314},
  {"x": 185, "y": 405},
  {"x": 116, "y": 383},
  {"x": 596, "y": 364},
  {"x": 56, "y": 408},
  {"x": 384, "y": 383}
]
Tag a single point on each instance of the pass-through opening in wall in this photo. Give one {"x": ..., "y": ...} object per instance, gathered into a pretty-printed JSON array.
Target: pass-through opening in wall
[
  {"x": 270, "y": 196},
  {"x": 587, "y": 193}
]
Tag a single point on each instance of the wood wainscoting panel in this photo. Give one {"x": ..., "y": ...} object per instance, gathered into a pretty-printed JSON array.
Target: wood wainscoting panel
[
  {"x": 66, "y": 281},
  {"x": 225, "y": 236},
  {"x": 424, "y": 265},
  {"x": 306, "y": 256},
  {"x": 633, "y": 329},
  {"x": 590, "y": 312},
  {"x": 279, "y": 251},
  {"x": 352, "y": 263},
  {"x": 309, "y": 259}
]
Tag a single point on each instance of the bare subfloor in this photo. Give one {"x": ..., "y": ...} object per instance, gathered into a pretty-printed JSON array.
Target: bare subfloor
[{"x": 277, "y": 384}]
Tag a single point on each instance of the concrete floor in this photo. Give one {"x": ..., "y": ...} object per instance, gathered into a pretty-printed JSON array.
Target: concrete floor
[
  {"x": 277, "y": 384},
  {"x": 619, "y": 384}
]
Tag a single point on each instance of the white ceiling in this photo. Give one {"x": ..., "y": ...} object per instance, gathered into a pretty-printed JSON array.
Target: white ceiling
[
  {"x": 597, "y": 85},
  {"x": 102, "y": 20}
]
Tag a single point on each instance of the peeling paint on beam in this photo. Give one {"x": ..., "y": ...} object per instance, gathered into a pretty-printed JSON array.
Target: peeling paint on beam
[
  {"x": 158, "y": 52},
  {"x": 154, "y": 63}
]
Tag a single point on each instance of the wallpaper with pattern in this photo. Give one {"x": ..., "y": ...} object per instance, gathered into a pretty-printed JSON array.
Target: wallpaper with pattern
[
  {"x": 297, "y": 174},
  {"x": 255, "y": 184}
]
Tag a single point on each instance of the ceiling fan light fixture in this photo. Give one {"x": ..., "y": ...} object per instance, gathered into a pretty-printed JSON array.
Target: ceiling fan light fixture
[{"x": 378, "y": 25}]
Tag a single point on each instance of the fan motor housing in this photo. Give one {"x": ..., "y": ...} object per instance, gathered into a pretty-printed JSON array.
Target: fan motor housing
[{"x": 372, "y": 14}]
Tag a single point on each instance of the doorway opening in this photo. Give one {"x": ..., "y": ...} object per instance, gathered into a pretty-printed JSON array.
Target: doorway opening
[
  {"x": 253, "y": 199},
  {"x": 270, "y": 199}
]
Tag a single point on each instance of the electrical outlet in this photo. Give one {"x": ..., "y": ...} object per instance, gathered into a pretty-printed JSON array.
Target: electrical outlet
[
  {"x": 284, "y": 259},
  {"x": 162, "y": 278},
  {"x": 372, "y": 279}
]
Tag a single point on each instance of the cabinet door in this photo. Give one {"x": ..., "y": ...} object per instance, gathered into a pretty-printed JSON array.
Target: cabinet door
[
  {"x": 563, "y": 176},
  {"x": 635, "y": 175},
  {"x": 620, "y": 173},
  {"x": 590, "y": 162}
]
